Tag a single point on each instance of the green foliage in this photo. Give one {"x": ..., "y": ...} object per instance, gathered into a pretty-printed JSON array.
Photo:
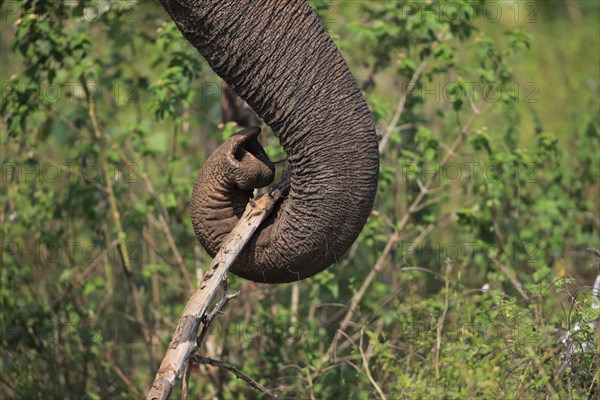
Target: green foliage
[
  {"x": 474, "y": 270},
  {"x": 173, "y": 89}
]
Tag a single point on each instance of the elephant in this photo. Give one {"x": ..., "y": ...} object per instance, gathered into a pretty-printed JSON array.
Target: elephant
[
  {"x": 277, "y": 56},
  {"x": 234, "y": 109}
]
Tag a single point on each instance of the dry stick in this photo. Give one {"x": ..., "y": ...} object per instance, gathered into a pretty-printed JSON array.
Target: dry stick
[
  {"x": 183, "y": 343},
  {"x": 94, "y": 264},
  {"x": 167, "y": 231},
  {"x": 514, "y": 280},
  {"x": 378, "y": 329},
  {"x": 358, "y": 296},
  {"x": 187, "y": 371},
  {"x": 440, "y": 325},
  {"x": 401, "y": 104},
  {"x": 366, "y": 365},
  {"x": 130, "y": 385},
  {"x": 123, "y": 252},
  {"x": 218, "y": 309},
  {"x": 239, "y": 374},
  {"x": 68, "y": 170},
  {"x": 109, "y": 188},
  {"x": 294, "y": 304},
  {"x": 162, "y": 221}
]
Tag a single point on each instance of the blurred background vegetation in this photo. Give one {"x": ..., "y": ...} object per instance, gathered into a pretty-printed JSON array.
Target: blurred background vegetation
[{"x": 472, "y": 279}]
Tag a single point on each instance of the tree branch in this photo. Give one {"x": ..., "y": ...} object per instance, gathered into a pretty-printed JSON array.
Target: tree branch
[
  {"x": 239, "y": 374},
  {"x": 400, "y": 106},
  {"x": 183, "y": 343}
]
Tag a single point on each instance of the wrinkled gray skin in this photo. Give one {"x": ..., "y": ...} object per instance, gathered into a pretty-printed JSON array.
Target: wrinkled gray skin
[{"x": 277, "y": 56}]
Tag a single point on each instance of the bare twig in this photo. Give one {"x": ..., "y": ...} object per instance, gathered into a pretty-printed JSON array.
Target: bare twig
[
  {"x": 88, "y": 271},
  {"x": 440, "y": 324},
  {"x": 514, "y": 280},
  {"x": 360, "y": 294},
  {"x": 185, "y": 382},
  {"x": 130, "y": 385},
  {"x": 239, "y": 374},
  {"x": 294, "y": 303},
  {"x": 218, "y": 309},
  {"x": 573, "y": 9},
  {"x": 206, "y": 323},
  {"x": 116, "y": 215},
  {"x": 183, "y": 343},
  {"x": 162, "y": 219},
  {"x": 400, "y": 106},
  {"x": 105, "y": 172},
  {"x": 366, "y": 366},
  {"x": 69, "y": 170}
]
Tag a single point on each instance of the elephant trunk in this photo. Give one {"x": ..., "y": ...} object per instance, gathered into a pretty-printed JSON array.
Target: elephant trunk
[{"x": 277, "y": 56}]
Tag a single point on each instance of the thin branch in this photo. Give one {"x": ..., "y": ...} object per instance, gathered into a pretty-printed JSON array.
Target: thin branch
[
  {"x": 294, "y": 304},
  {"x": 130, "y": 385},
  {"x": 239, "y": 374},
  {"x": 218, "y": 309},
  {"x": 68, "y": 170},
  {"x": 442, "y": 319},
  {"x": 573, "y": 9},
  {"x": 88, "y": 271},
  {"x": 122, "y": 247},
  {"x": 109, "y": 188},
  {"x": 400, "y": 106},
  {"x": 162, "y": 219},
  {"x": 185, "y": 382},
  {"x": 378, "y": 329},
  {"x": 514, "y": 280},
  {"x": 183, "y": 343},
  {"x": 366, "y": 366}
]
